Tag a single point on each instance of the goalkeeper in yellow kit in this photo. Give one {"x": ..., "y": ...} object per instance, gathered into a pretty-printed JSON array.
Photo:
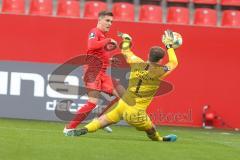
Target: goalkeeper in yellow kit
[{"x": 145, "y": 79}]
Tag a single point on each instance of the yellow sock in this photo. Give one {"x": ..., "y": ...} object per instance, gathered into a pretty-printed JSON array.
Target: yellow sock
[
  {"x": 155, "y": 137},
  {"x": 93, "y": 126}
]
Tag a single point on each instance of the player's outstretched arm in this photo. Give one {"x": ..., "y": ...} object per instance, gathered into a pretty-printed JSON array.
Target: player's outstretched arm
[
  {"x": 168, "y": 42},
  {"x": 125, "y": 47},
  {"x": 172, "y": 59}
]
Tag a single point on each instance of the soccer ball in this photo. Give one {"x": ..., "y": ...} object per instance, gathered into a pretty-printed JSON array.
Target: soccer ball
[{"x": 177, "y": 41}]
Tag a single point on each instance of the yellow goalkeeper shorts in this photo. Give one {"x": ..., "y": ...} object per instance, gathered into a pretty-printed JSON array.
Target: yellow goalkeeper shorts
[{"x": 131, "y": 114}]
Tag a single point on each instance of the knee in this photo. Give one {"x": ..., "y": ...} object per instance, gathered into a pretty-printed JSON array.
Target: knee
[
  {"x": 93, "y": 100},
  {"x": 104, "y": 121}
]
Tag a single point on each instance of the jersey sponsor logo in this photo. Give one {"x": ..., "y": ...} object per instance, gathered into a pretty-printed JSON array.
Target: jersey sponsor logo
[{"x": 92, "y": 35}]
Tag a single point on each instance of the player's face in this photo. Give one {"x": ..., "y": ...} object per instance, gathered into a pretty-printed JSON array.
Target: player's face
[{"x": 106, "y": 23}]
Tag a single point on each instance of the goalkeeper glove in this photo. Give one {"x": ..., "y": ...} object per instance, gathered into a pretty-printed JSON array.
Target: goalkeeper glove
[
  {"x": 125, "y": 36},
  {"x": 168, "y": 39},
  {"x": 127, "y": 41}
]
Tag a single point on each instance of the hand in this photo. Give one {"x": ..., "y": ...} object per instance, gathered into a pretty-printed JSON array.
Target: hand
[
  {"x": 113, "y": 41},
  {"x": 127, "y": 41},
  {"x": 111, "y": 45},
  {"x": 125, "y": 36},
  {"x": 168, "y": 38}
]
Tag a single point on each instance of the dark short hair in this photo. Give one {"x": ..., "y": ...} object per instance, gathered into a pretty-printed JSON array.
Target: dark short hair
[
  {"x": 105, "y": 13},
  {"x": 156, "y": 53}
]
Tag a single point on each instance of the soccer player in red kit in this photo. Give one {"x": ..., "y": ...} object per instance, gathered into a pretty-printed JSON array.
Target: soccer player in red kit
[{"x": 95, "y": 78}]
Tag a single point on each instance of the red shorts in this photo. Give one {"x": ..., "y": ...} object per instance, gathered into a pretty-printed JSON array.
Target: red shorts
[{"x": 103, "y": 83}]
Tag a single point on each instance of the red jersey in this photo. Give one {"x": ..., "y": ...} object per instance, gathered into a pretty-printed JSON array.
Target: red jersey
[{"x": 96, "y": 43}]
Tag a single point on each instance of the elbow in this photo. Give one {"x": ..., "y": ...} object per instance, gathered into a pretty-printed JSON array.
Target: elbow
[{"x": 174, "y": 64}]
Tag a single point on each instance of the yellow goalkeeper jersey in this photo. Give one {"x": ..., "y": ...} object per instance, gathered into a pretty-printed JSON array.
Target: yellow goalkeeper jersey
[{"x": 145, "y": 77}]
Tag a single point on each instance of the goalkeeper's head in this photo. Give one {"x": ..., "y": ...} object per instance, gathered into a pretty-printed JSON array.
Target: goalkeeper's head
[{"x": 156, "y": 53}]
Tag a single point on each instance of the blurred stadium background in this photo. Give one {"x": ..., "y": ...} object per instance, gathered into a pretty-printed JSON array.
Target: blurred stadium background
[
  {"x": 37, "y": 36},
  {"x": 199, "y": 12}
]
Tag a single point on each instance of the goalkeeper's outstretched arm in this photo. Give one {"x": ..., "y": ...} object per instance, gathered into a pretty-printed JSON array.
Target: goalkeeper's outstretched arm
[
  {"x": 168, "y": 42},
  {"x": 172, "y": 61},
  {"x": 126, "y": 50}
]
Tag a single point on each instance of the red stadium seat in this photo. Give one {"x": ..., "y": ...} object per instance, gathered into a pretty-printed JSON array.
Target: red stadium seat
[
  {"x": 178, "y": 15},
  {"x": 205, "y": 1},
  {"x": 41, "y": 7},
  {"x": 205, "y": 16},
  {"x": 92, "y": 8},
  {"x": 123, "y": 11},
  {"x": 231, "y": 18},
  {"x": 13, "y": 6},
  {"x": 69, "y": 8},
  {"x": 150, "y": 13},
  {"x": 230, "y": 2},
  {"x": 180, "y": 1}
]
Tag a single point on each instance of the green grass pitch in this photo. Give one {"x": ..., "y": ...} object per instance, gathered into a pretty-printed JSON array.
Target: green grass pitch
[{"x": 40, "y": 140}]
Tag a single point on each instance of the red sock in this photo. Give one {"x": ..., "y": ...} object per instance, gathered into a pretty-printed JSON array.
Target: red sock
[{"x": 81, "y": 114}]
